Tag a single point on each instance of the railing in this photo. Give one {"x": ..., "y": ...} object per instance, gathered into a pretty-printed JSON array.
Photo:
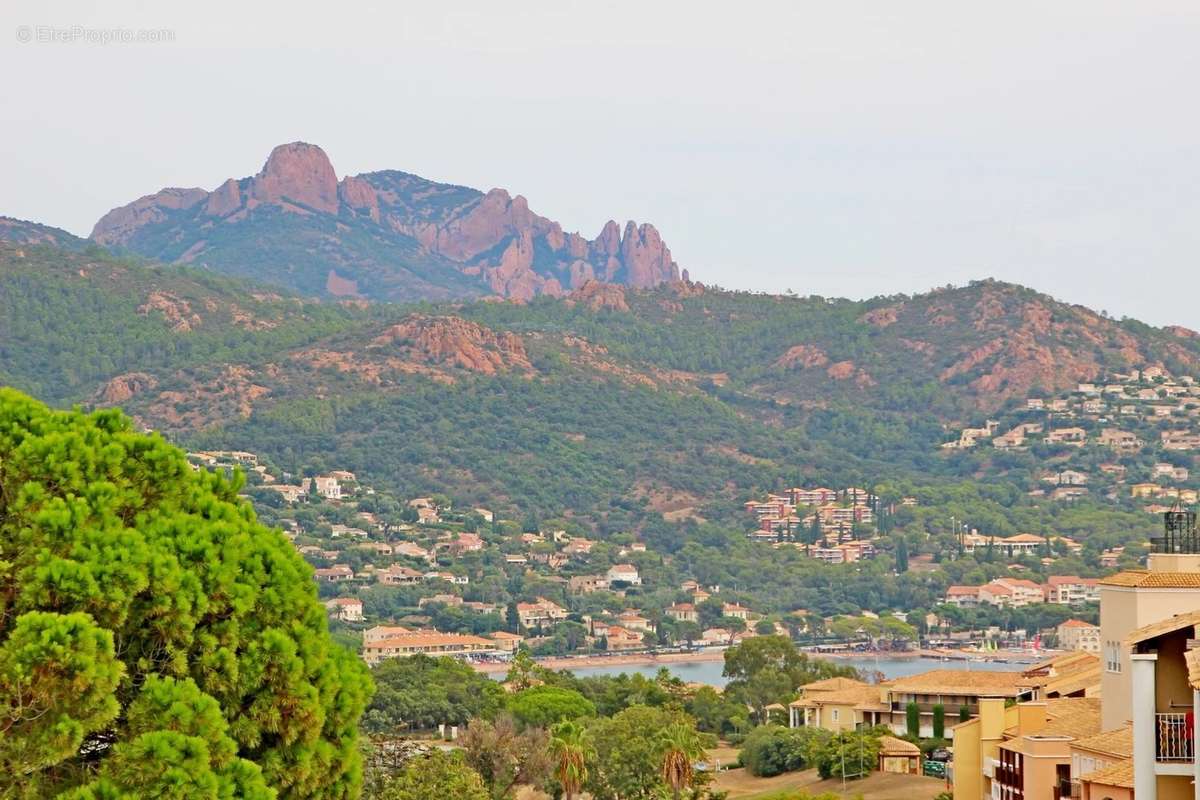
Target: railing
[{"x": 1175, "y": 737}]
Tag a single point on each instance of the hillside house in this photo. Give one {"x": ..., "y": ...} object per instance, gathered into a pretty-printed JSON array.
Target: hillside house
[
  {"x": 398, "y": 575},
  {"x": 735, "y": 610},
  {"x": 540, "y": 612},
  {"x": 347, "y": 609},
  {"x": 1170, "y": 471},
  {"x": 623, "y": 573},
  {"x": 289, "y": 493},
  {"x": 327, "y": 486},
  {"x": 1119, "y": 439},
  {"x": 1071, "y": 436},
  {"x": 586, "y": 584},
  {"x": 682, "y": 612},
  {"x": 334, "y": 574}
]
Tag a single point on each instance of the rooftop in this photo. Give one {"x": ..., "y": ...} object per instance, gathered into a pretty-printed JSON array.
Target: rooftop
[
  {"x": 1170, "y": 625},
  {"x": 1145, "y": 579},
  {"x": 960, "y": 681},
  {"x": 1118, "y": 774},
  {"x": 1117, "y": 742}
]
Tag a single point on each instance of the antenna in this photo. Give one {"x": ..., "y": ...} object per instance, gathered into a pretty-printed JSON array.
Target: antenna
[{"x": 1179, "y": 532}]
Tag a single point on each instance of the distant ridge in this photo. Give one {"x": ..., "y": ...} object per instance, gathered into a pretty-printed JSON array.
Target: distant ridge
[{"x": 381, "y": 235}]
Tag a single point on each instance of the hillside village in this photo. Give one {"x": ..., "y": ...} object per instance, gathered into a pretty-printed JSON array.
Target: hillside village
[
  {"x": 1129, "y": 440},
  {"x": 419, "y": 575}
]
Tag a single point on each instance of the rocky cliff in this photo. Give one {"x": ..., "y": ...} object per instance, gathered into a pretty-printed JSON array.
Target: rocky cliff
[{"x": 382, "y": 235}]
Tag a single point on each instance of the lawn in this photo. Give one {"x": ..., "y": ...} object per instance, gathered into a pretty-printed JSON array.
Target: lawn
[{"x": 877, "y": 786}]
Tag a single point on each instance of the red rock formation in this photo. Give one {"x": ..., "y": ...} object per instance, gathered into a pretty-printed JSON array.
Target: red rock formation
[
  {"x": 118, "y": 225},
  {"x": 495, "y": 236},
  {"x": 457, "y": 342},
  {"x": 596, "y": 295},
  {"x": 125, "y": 387},
  {"x": 803, "y": 356},
  {"x": 298, "y": 172}
]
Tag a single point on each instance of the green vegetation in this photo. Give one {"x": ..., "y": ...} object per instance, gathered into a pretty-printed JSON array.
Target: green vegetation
[
  {"x": 544, "y": 706},
  {"x": 437, "y": 774},
  {"x": 420, "y": 693},
  {"x": 771, "y": 750},
  {"x": 155, "y": 638}
]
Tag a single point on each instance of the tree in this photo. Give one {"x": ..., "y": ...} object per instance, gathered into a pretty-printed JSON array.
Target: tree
[
  {"x": 506, "y": 757},
  {"x": 912, "y": 719},
  {"x": 852, "y": 754},
  {"x": 629, "y": 752},
  {"x": 437, "y": 774},
  {"x": 154, "y": 637},
  {"x": 571, "y": 750},
  {"x": 522, "y": 672},
  {"x": 769, "y": 669},
  {"x": 420, "y": 692},
  {"x": 964, "y": 714},
  {"x": 939, "y": 721},
  {"x": 543, "y": 706},
  {"x": 901, "y": 555},
  {"x": 771, "y": 750},
  {"x": 680, "y": 749}
]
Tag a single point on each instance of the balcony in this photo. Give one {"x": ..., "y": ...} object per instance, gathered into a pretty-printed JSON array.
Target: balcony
[{"x": 1174, "y": 738}]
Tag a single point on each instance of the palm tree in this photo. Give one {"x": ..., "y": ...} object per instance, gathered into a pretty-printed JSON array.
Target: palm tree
[
  {"x": 571, "y": 749},
  {"x": 681, "y": 747}
]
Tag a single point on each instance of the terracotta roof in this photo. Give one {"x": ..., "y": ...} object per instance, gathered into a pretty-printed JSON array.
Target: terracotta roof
[
  {"x": 830, "y": 684},
  {"x": 1076, "y": 623},
  {"x": 1024, "y": 537},
  {"x": 1170, "y": 625},
  {"x": 1076, "y": 717},
  {"x": 1118, "y": 774},
  {"x": 428, "y": 639},
  {"x": 960, "y": 681},
  {"x": 891, "y": 746},
  {"x": 1145, "y": 579},
  {"x": 1117, "y": 742}
]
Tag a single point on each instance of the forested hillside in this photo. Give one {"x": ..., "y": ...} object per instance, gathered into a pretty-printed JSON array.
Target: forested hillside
[{"x": 610, "y": 403}]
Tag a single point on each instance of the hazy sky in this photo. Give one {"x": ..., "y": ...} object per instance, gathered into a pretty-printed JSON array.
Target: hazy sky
[{"x": 838, "y": 148}]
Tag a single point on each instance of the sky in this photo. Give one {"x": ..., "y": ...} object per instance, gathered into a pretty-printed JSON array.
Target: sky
[{"x": 844, "y": 149}]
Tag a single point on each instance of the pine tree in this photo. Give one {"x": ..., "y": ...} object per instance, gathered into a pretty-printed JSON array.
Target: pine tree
[
  {"x": 901, "y": 555},
  {"x": 226, "y": 682}
]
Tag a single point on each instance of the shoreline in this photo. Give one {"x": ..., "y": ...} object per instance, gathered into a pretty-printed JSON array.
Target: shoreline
[
  {"x": 718, "y": 654},
  {"x": 626, "y": 660}
]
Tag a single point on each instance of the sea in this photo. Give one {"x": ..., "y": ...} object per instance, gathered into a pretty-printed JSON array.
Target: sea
[{"x": 709, "y": 672}]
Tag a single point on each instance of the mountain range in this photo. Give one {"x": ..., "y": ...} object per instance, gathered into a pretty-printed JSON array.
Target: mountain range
[{"x": 384, "y": 235}]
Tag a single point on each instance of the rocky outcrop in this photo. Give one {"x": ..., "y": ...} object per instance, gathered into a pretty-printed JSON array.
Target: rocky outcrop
[
  {"x": 298, "y": 173},
  {"x": 1182, "y": 332},
  {"x": 178, "y": 312},
  {"x": 125, "y": 387},
  {"x": 453, "y": 341},
  {"x": 803, "y": 356},
  {"x": 118, "y": 226},
  {"x": 493, "y": 237},
  {"x": 596, "y": 296}
]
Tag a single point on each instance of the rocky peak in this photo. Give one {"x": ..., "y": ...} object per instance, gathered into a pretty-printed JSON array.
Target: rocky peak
[
  {"x": 299, "y": 172},
  {"x": 646, "y": 257},
  {"x": 430, "y": 239}
]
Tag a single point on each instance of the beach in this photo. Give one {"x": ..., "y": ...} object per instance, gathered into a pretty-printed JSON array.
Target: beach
[{"x": 616, "y": 660}]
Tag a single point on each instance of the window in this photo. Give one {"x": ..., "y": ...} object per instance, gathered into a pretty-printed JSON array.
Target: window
[
  {"x": 836, "y": 714},
  {"x": 1112, "y": 656}
]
